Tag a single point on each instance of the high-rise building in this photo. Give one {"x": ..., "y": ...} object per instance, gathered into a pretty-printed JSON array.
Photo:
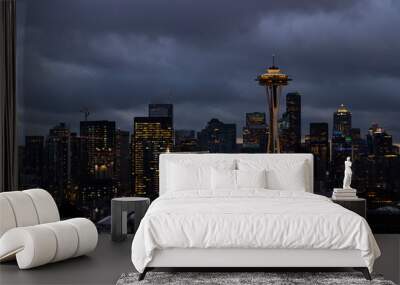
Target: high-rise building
[
  {"x": 218, "y": 137},
  {"x": 355, "y": 133},
  {"x": 57, "y": 162},
  {"x": 319, "y": 147},
  {"x": 284, "y": 133},
  {"x": 162, "y": 110},
  {"x": 379, "y": 141},
  {"x": 32, "y": 164},
  {"x": 341, "y": 143},
  {"x": 359, "y": 145},
  {"x": 77, "y": 168},
  {"x": 151, "y": 137},
  {"x": 376, "y": 175},
  {"x": 99, "y": 137},
  {"x": 185, "y": 141},
  {"x": 98, "y": 185},
  {"x": 293, "y": 117},
  {"x": 122, "y": 161},
  {"x": 255, "y": 133},
  {"x": 342, "y": 121},
  {"x": 77, "y": 152},
  {"x": 183, "y": 135}
]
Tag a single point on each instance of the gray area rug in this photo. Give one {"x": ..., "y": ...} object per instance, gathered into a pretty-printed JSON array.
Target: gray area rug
[{"x": 229, "y": 278}]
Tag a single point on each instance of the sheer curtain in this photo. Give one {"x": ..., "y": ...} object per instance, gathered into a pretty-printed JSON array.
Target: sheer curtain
[{"x": 8, "y": 147}]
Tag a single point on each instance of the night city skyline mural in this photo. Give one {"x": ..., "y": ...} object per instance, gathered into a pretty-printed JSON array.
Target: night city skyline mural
[{"x": 103, "y": 93}]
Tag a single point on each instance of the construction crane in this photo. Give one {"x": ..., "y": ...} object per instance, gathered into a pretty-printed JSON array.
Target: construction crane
[{"x": 85, "y": 112}]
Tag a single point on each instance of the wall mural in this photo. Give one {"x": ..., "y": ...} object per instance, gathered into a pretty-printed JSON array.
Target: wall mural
[{"x": 104, "y": 87}]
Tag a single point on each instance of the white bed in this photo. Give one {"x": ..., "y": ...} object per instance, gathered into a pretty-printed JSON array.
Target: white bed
[{"x": 203, "y": 226}]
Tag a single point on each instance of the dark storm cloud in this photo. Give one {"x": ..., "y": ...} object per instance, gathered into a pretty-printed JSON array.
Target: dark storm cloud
[{"x": 115, "y": 57}]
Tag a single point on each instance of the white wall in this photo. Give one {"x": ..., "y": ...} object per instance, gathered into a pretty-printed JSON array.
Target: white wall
[{"x": 389, "y": 262}]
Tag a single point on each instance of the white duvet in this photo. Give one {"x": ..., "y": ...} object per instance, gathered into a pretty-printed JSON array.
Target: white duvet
[{"x": 250, "y": 219}]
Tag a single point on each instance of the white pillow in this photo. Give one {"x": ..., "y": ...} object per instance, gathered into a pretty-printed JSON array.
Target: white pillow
[
  {"x": 183, "y": 178},
  {"x": 188, "y": 174},
  {"x": 251, "y": 178},
  {"x": 291, "y": 178},
  {"x": 281, "y": 174},
  {"x": 223, "y": 179}
]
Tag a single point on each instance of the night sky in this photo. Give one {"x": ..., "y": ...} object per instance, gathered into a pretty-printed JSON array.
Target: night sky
[{"x": 117, "y": 56}]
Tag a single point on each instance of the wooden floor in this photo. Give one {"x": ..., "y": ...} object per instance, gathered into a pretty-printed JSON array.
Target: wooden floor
[{"x": 103, "y": 266}]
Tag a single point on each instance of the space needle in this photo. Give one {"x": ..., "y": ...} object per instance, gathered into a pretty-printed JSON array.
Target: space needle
[{"x": 273, "y": 80}]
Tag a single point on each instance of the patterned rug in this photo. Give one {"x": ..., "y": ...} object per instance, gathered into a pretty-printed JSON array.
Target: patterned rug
[{"x": 243, "y": 278}]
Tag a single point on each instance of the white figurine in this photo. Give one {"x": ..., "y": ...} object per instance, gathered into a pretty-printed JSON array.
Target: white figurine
[{"x": 347, "y": 174}]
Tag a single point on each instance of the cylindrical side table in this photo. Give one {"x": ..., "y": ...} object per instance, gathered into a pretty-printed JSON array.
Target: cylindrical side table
[{"x": 120, "y": 209}]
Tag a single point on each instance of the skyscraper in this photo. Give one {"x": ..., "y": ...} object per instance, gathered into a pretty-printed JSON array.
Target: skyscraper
[
  {"x": 342, "y": 145},
  {"x": 379, "y": 141},
  {"x": 77, "y": 168},
  {"x": 57, "y": 162},
  {"x": 284, "y": 132},
  {"x": 151, "y": 136},
  {"x": 185, "y": 140},
  {"x": 100, "y": 147},
  {"x": 32, "y": 164},
  {"x": 255, "y": 133},
  {"x": 359, "y": 145},
  {"x": 162, "y": 110},
  {"x": 218, "y": 137},
  {"x": 319, "y": 147},
  {"x": 183, "y": 135},
  {"x": 122, "y": 161},
  {"x": 293, "y": 114},
  {"x": 342, "y": 121},
  {"x": 98, "y": 185}
]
